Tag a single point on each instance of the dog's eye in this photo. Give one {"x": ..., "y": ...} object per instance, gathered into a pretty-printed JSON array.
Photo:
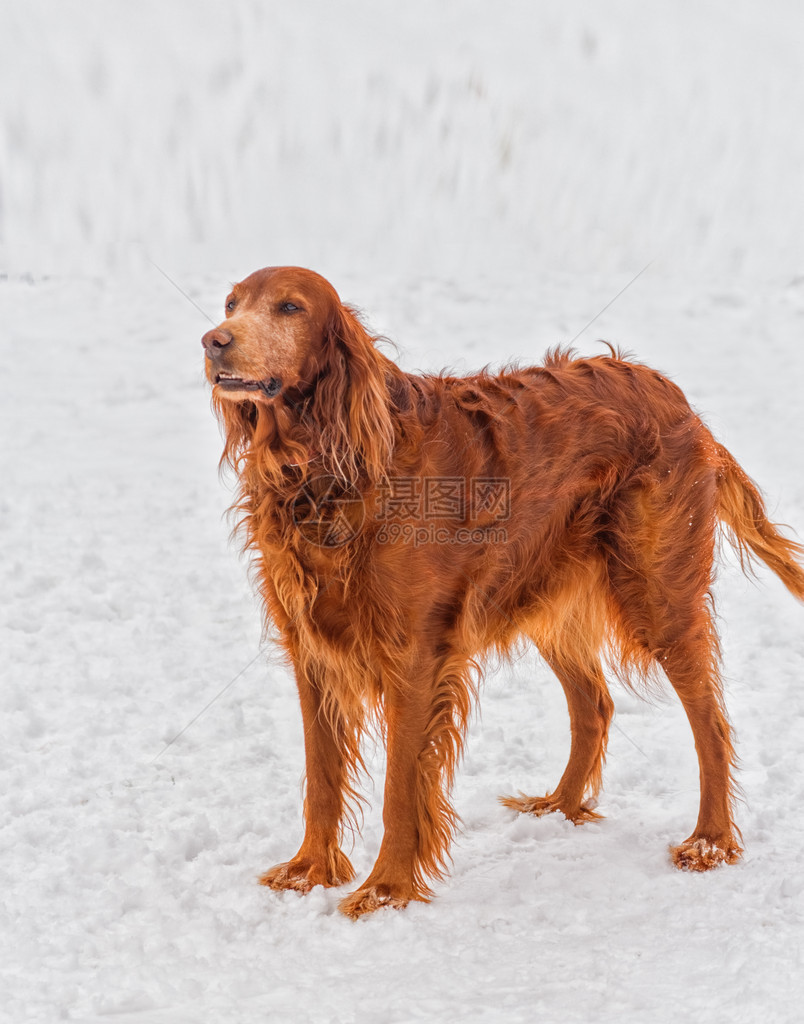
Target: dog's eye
[
  {"x": 230, "y": 305},
  {"x": 289, "y": 307}
]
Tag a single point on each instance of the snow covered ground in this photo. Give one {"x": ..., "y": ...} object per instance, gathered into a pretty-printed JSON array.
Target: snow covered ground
[{"x": 483, "y": 180}]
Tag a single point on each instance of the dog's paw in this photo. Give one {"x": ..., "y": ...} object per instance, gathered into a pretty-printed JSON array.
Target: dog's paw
[
  {"x": 301, "y": 874},
  {"x": 369, "y": 898},
  {"x": 701, "y": 854},
  {"x": 290, "y": 875},
  {"x": 540, "y": 805}
]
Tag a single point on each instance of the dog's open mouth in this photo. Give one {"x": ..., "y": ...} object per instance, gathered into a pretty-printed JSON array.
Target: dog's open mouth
[{"x": 229, "y": 382}]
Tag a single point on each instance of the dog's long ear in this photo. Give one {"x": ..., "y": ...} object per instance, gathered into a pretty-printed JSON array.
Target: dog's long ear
[
  {"x": 238, "y": 420},
  {"x": 351, "y": 407}
]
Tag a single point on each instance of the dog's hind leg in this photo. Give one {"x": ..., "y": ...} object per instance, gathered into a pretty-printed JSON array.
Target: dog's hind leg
[
  {"x": 691, "y": 665},
  {"x": 686, "y": 648},
  {"x": 569, "y": 628},
  {"x": 590, "y": 710},
  {"x": 660, "y": 577}
]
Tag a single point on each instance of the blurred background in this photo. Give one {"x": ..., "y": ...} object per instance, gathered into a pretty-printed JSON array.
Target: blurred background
[
  {"x": 454, "y": 137},
  {"x": 485, "y": 179}
]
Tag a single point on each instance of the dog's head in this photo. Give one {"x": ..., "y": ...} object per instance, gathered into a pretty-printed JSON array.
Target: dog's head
[
  {"x": 276, "y": 326},
  {"x": 294, "y": 365}
]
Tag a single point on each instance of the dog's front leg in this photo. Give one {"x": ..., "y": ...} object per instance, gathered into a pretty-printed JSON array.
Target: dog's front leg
[
  {"x": 332, "y": 752},
  {"x": 425, "y": 718}
]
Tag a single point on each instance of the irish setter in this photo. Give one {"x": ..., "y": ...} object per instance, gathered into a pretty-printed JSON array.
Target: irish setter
[{"x": 405, "y": 527}]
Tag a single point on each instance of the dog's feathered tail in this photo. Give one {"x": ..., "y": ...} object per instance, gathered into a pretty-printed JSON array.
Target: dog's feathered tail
[{"x": 742, "y": 511}]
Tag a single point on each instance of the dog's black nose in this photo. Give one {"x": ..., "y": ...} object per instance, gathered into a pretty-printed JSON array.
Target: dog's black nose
[{"x": 215, "y": 340}]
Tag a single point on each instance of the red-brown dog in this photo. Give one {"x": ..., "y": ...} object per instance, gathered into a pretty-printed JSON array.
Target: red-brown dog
[{"x": 405, "y": 526}]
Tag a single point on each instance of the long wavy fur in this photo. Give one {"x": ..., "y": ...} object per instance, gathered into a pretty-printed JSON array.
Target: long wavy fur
[{"x": 616, "y": 490}]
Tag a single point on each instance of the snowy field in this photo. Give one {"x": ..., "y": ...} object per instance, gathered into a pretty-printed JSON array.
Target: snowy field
[{"x": 483, "y": 180}]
